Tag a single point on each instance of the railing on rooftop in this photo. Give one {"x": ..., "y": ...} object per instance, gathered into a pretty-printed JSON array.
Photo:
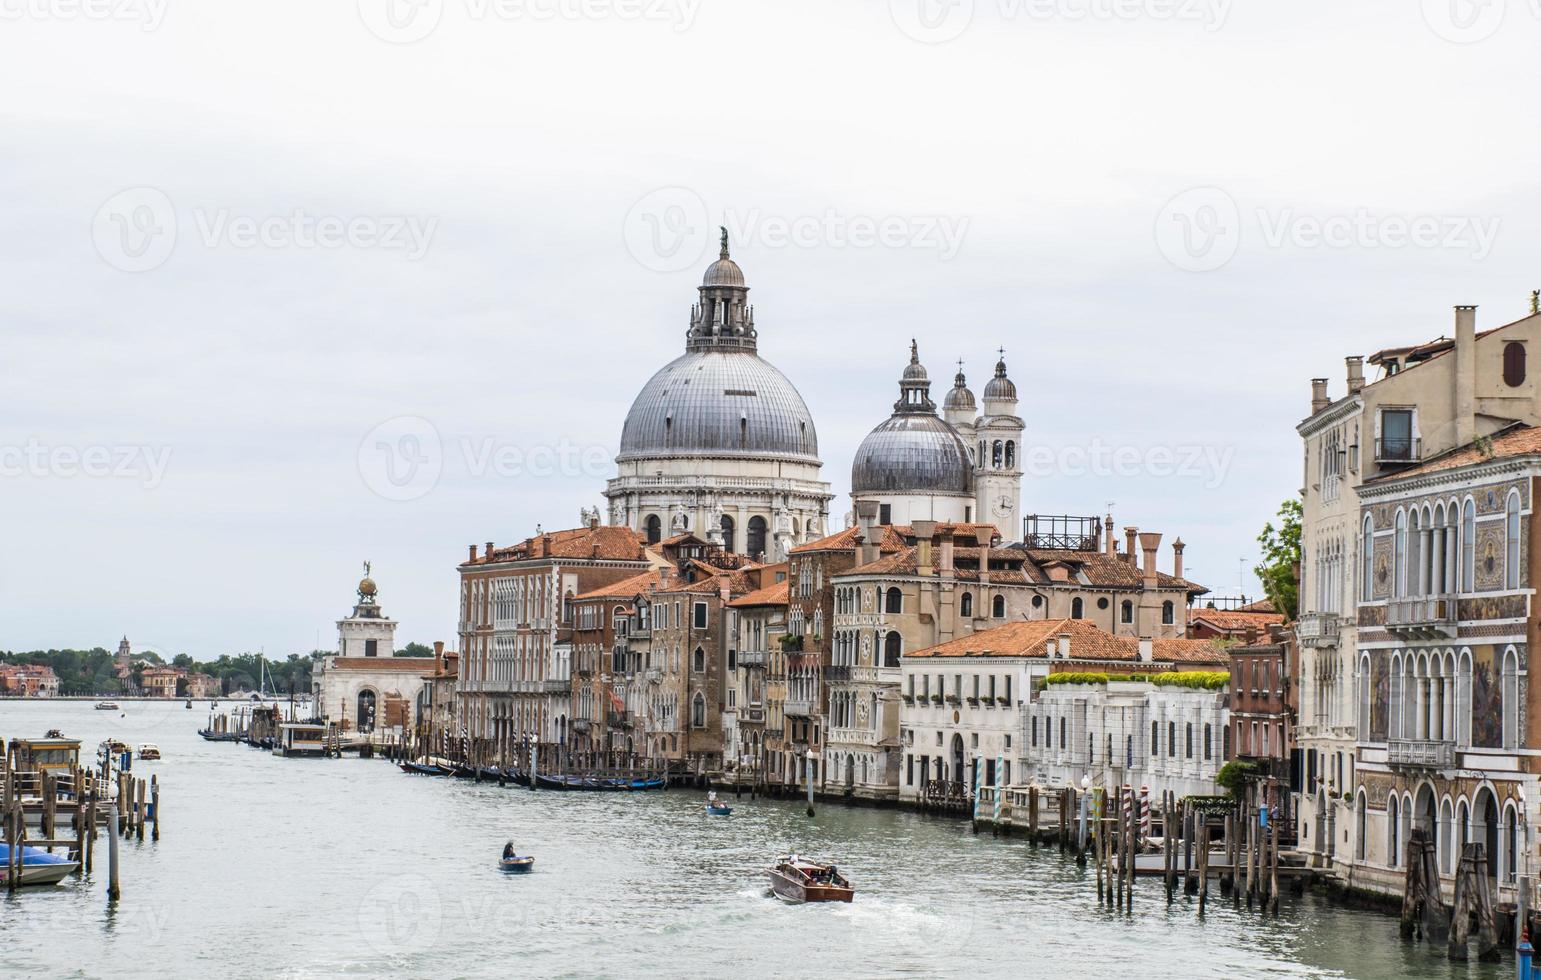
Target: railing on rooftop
[{"x": 1061, "y": 532}]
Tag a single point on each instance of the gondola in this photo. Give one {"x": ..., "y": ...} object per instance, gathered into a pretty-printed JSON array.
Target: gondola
[
  {"x": 424, "y": 769},
  {"x": 491, "y": 773},
  {"x": 462, "y": 771}
]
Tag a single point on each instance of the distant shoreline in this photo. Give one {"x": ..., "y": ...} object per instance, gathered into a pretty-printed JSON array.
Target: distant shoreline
[{"x": 139, "y": 697}]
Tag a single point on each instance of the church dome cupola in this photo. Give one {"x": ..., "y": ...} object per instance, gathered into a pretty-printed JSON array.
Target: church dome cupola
[
  {"x": 914, "y": 451},
  {"x": 722, "y": 319},
  {"x": 1000, "y": 388},
  {"x": 915, "y": 386},
  {"x": 959, "y": 399}
]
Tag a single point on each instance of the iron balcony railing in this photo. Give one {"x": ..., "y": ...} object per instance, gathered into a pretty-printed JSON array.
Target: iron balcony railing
[
  {"x": 1421, "y": 753},
  {"x": 1398, "y": 449},
  {"x": 1318, "y": 629},
  {"x": 1434, "y": 615},
  {"x": 752, "y": 658},
  {"x": 800, "y": 709}
]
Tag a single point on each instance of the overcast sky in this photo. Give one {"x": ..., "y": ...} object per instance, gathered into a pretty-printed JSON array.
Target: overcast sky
[{"x": 250, "y": 244}]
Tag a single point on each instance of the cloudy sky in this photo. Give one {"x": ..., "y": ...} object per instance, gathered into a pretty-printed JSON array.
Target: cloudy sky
[{"x": 294, "y": 284}]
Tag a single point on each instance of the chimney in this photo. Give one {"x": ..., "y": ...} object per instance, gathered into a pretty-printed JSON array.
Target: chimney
[
  {"x": 1465, "y": 374},
  {"x": 1147, "y": 650},
  {"x": 663, "y": 576},
  {"x": 1107, "y": 531},
  {"x": 946, "y": 558},
  {"x": 1319, "y": 399},
  {"x": 1064, "y": 645},
  {"x": 1150, "y": 544},
  {"x": 489, "y": 551},
  {"x": 1177, "y": 558},
  {"x": 866, "y": 520},
  {"x": 1129, "y": 533},
  {"x": 473, "y": 552},
  {"x": 438, "y": 656},
  {"x": 1355, "y": 374},
  {"x": 923, "y": 532}
]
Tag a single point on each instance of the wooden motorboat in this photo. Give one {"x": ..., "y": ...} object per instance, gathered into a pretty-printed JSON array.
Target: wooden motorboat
[
  {"x": 796, "y": 879},
  {"x": 517, "y": 865},
  {"x": 149, "y": 753}
]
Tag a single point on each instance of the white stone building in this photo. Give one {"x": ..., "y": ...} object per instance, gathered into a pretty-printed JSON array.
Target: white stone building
[{"x": 365, "y": 687}]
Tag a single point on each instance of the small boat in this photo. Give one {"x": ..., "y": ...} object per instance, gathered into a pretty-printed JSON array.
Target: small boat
[
  {"x": 149, "y": 753},
  {"x": 106, "y": 706},
  {"x": 38, "y": 867},
  {"x": 426, "y": 769},
  {"x": 189, "y": 704},
  {"x": 647, "y": 784},
  {"x": 54, "y": 733},
  {"x": 718, "y": 809},
  {"x": 796, "y": 879},
  {"x": 463, "y": 771},
  {"x": 491, "y": 774},
  {"x": 517, "y": 865}
]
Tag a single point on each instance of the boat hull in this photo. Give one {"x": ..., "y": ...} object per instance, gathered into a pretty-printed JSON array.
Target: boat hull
[
  {"x": 791, "y": 889},
  {"x": 517, "y": 866},
  {"x": 718, "y": 811}
]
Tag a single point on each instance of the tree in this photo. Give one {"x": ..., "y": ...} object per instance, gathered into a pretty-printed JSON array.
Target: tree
[
  {"x": 415, "y": 650},
  {"x": 1281, "y": 559}
]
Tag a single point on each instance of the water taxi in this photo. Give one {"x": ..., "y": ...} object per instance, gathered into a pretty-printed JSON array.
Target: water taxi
[
  {"x": 149, "y": 752},
  {"x": 796, "y": 879},
  {"x": 300, "y": 739},
  {"x": 106, "y": 706}
]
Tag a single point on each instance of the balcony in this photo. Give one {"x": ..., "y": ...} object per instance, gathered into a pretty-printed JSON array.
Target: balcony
[
  {"x": 579, "y": 726},
  {"x": 1397, "y": 450},
  {"x": 752, "y": 715},
  {"x": 837, "y": 672},
  {"x": 1422, "y": 618},
  {"x": 654, "y": 675},
  {"x": 752, "y": 658},
  {"x": 557, "y": 686},
  {"x": 800, "y": 709},
  {"x": 1420, "y": 753},
  {"x": 619, "y": 719},
  {"x": 1318, "y": 629}
]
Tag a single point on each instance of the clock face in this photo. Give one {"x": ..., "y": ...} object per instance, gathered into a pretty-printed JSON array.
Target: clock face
[{"x": 1003, "y": 505}]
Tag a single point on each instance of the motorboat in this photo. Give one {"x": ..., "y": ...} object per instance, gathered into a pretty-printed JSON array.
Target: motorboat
[
  {"x": 38, "y": 867},
  {"x": 149, "y": 753},
  {"x": 517, "y": 865},
  {"x": 106, "y": 706},
  {"x": 796, "y": 879},
  {"x": 716, "y": 807}
]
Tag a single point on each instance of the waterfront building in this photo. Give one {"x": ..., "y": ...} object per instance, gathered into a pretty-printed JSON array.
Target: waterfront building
[
  {"x": 438, "y": 723},
  {"x": 1262, "y": 720},
  {"x": 756, "y": 708},
  {"x": 609, "y": 648},
  {"x": 1247, "y": 624},
  {"x": 365, "y": 687},
  {"x": 1430, "y": 400},
  {"x": 718, "y": 442},
  {"x": 162, "y": 681},
  {"x": 515, "y": 679},
  {"x": 28, "y": 681},
  {"x": 952, "y": 723}
]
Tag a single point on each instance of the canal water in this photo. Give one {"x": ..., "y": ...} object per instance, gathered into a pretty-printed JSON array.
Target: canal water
[{"x": 272, "y": 867}]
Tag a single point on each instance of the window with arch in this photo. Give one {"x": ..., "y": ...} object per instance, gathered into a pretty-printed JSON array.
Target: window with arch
[
  {"x": 1514, "y": 364},
  {"x": 1361, "y": 826},
  {"x": 1367, "y": 561},
  {"x": 654, "y": 529},
  {"x": 966, "y": 604},
  {"x": 1076, "y": 608},
  {"x": 998, "y": 607},
  {"x": 997, "y": 452},
  {"x": 754, "y": 544},
  {"x": 1168, "y": 613},
  {"x": 1399, "y": 556},
  {"x": 1126, "y": 612},
  {"x": 1011, "y": 454},
  {"x": 698, "y": 711},
  {"x": 1188, "y": 741},
  {"x": 1393, "y": 833},
  {"x": 1512, "y": 542},
  {"x": 1510, "y": 693},
  {"x": 1511, "y": 845},
  {"x": 698, "y": 661},
  {"x": 1468, "y": 545},
  {"x": 892, "y": 649},
  {"x": 1362, "y": 683},
  {"x": 729, "y": 543},
  {"x": 893, "y": 601}
]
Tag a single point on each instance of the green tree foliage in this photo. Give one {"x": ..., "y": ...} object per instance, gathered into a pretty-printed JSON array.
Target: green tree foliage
[
  {"x": 415, "y": 650},
  {"x": 91, "y": 673},
  {"x": 1281, "y": 557}
]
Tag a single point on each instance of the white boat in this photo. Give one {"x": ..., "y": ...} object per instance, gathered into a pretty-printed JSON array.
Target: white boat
[
  {"x": 106, "y": 706},
  {"x": 149, "y": 752},
  {"x": 38, "y": 866}
]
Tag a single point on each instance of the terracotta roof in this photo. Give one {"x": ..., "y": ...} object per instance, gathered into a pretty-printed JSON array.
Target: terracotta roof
[
  {"x": 1087, "y": 643},
  {"x": 771, "y": 595},
  {"x": 402, "y": 664},
  {"x": 626, "y": 588},
  {"x": 1521, "y": 440},
  {"x": 1102, "y": 571},
  {"x": 602, "y": 542},
  {"x": 890, "y": 540},
  {"x": 1235, "y": 620}
]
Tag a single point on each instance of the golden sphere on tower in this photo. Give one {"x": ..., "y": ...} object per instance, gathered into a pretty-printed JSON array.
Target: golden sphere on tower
[{"x": 367, "y": 587}]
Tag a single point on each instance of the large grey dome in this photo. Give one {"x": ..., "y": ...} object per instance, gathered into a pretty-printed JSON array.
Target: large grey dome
[
  {"x": 719, "y": 403},
  {"x": 912, "y": 453}
]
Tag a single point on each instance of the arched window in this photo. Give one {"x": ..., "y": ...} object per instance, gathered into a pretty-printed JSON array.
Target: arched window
[
  {"x": 1399, "y": 556},
  {"x": 1076, "y": 608},
  {"x": 1511, "y": 847},
  {"x": 1393, "y": 834},
  {"x": 998, "y": 607},
  {"x": 1168, "y": 613},
  {"x": 654, "y": 529},
  {"x": 1468, "y": 546},
  {"x": 1209, "y": 742},
  {"x": 997, "y": 450},
  {"x": 1011, "y": 454},
  {"x": 366, "y": 711},
  {"x": 1361, "y": 826},
  {"x": 728, "y": 542},
  {"x": 1511, "y": 698},
  {"x": 1514, "y": 364},
  {"x": 891, "y": 649},
  {"x": 1512, "y": 542},
  {"x": 698, "y": 661},
  {"x": 754, "y": 546},
  {"x": 1362, "y": 681},
  {"x": 966, "y": 604},
  {"x": 1367, "y": 561},
  {"x": 893, "y": 601},
  {"x": 698, "y": 711}
]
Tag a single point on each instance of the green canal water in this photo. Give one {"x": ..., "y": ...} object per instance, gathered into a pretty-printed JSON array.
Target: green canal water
[{"x": 276, "y": 868}]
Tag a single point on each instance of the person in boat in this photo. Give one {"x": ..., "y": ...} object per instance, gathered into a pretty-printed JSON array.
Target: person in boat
[{"x": 508, "y": 851}]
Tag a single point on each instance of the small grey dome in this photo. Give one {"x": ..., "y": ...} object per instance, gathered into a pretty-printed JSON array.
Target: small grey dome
[
  {"x": 719, "y": 403},
  {"x": 915, "y": 371},
  {"x": 1000, "y": 388},
  {"x": 959, "y": 399},
  {"x": 912, "y": 453},
  {"x": 723, "y": 272}
]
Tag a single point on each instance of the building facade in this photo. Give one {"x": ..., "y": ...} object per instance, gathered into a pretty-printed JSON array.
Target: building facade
[{"x": 365, "y": 687}]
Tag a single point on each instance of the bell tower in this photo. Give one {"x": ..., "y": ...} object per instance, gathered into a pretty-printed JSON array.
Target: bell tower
[{"x": 998, "y": 462}]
